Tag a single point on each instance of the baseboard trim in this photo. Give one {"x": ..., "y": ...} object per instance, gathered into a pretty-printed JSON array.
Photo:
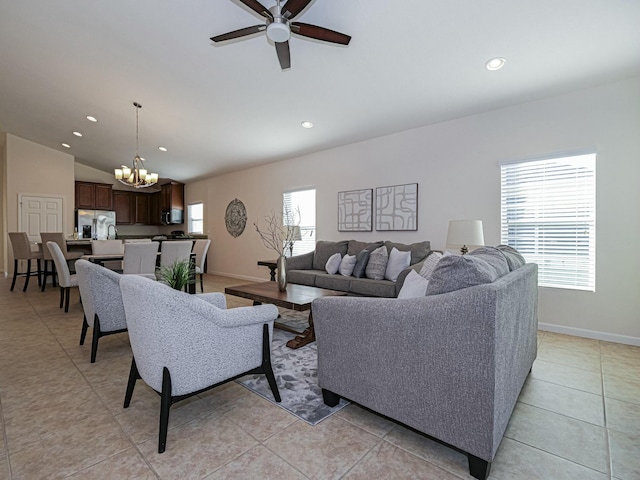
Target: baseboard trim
[{"x": 581, "y": 332}]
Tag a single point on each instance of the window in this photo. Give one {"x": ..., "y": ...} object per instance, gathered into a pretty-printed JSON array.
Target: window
[
  {"x": 548, "y": 214},
  {"x": 195, "y": 218},
  {"x": 304, "y": 202}
]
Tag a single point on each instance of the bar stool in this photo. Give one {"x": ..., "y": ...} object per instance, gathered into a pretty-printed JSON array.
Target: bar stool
[
  {"x": 58, "y": 238},
  {"x": 22, "y": 251}
]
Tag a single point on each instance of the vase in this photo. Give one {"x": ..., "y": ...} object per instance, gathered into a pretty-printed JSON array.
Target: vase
[{"x": 282, "y": 273}]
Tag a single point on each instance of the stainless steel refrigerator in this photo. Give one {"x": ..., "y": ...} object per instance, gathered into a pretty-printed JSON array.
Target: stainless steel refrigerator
[{"x": 94, "y": 224}]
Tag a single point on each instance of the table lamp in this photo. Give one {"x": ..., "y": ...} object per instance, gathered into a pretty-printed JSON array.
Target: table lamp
[{"x": 465, "y": 233}]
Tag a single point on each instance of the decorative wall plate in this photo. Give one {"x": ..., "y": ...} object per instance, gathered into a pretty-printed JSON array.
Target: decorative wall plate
[{"x": 235, "y": 218}]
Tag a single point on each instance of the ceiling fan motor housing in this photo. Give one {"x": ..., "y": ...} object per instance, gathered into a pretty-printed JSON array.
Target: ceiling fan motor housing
[{"x": 278, "y": 30}]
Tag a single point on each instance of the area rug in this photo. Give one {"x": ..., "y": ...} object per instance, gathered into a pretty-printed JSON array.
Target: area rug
[{"x": 296, "y": 373}]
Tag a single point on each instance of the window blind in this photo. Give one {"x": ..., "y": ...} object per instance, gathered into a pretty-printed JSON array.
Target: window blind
[
  {"x": 548, "y": 215},
  {"x": 303, "y": 201}
]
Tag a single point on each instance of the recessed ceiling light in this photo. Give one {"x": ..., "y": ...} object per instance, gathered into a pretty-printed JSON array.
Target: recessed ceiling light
[
  {"x": 92, "y": 119},
  {"x": 162, "y": 149},
  {"x": 307, "y": 124},
  {"x": 77, "y": 134},
  {"x": 66, "y": 145},
  {"x": 495, "y": 63}
]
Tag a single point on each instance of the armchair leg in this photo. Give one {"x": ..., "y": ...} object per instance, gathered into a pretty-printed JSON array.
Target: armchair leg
[
  {"x": 478, "y": 468},
  {"x": 330, "y": 399},
  {"x": 83, "y": 333},
  {"x": 266, "y": 363},
  {"x": 165, "y": 405},
  {"x": 94, "y": 339},
  {"x": 133, "y": 376}
]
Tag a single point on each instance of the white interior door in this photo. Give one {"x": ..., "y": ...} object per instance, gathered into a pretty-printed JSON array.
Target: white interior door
[{"x": 40, "y": 214}]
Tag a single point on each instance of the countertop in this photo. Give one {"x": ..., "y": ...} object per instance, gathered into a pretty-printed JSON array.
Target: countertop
[{"x": 160, "y": 238}]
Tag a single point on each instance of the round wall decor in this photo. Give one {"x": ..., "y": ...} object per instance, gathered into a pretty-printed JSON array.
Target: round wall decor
[{"x": 235, "y": 217}]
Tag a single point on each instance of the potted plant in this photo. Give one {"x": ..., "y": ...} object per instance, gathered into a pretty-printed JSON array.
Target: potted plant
[
  {"x": 177, "y": 275},
  {"x": 279, "y": 235}
]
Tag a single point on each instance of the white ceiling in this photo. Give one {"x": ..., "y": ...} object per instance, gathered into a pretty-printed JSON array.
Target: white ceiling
[{"x": 225, "y": 107}]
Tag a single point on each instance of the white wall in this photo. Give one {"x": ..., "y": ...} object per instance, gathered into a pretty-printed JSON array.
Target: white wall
[
  {"x": 456, "y": 166},
  {"x": 36, "y": 170}
]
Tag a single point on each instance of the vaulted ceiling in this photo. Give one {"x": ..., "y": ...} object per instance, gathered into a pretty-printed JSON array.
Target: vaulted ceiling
[{"x": 223, "y": 107}]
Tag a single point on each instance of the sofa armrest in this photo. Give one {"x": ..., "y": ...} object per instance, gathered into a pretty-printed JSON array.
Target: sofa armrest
[{"x": 300, "y": 262}]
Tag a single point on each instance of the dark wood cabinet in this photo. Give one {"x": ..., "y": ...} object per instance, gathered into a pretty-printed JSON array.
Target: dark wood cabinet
[
  {"x": 154, "y": 209},
  {"x": 94, "y": 196},
  {"x": 172, "y": 196},
  {"x": 124, "y": 205},
  {"x": 142, "y": 208}
]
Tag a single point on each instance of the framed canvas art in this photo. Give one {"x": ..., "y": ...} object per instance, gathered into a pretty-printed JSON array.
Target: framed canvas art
[
  {"x": 397, "y": 208},
  {"x": 355, "y": 211}
]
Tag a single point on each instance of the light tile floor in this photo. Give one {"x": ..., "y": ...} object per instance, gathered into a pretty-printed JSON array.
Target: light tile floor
[{"x": 61, "y": 417}]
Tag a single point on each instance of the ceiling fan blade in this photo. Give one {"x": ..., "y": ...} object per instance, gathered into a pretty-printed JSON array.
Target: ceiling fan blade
[
  {"x": 243, "y": 32},
  {"x": 294, "y": 7},
  {"x": 258, "y": 8},
  {"x": 284, "y": 56},
  {"x": 320, "y": 33}
]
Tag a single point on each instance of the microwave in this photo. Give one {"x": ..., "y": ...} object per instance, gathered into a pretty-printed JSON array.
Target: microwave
[{"x": 173, "y": 216}]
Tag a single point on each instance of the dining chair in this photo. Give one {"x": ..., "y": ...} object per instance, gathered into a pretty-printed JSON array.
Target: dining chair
[
  {"x": 109, "y": 247},
  {"x": 185, "y": 344},
  {"x": 66, "y": 279},
  {"x": 49, "y": 267},
  {"x": 22, "y": 251},
  {"x": 173, "y": 251},
  {"x": 140, "y": 259},
  {"x": 200, "y": 248},
  {"x": 101, "y": 302}
]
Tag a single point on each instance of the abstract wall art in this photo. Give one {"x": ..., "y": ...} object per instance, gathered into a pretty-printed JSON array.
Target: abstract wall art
[
  {"x": 355, "y": 211},
  {"x": 397, "y": 207}
]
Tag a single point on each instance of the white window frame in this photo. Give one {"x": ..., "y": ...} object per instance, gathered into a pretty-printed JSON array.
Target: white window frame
[
  {"x": 191, "y": 219},
  {"x": 548, "y": 213},
  {"x": 307, "y": 223}
]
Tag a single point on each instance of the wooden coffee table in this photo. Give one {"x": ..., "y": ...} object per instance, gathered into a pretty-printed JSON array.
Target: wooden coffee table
[{"x": 297, "y": 297}]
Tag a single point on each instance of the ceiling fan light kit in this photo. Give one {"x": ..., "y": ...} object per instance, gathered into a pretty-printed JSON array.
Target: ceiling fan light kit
[{"x": 279, "y": 28}]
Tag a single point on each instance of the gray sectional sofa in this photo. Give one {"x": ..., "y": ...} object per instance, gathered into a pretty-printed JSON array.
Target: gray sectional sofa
[
  {"x": 309, "y": 269},
  {"x": 450, "y": 364}
]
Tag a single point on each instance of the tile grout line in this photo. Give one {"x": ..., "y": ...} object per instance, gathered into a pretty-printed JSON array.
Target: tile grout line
[{"x": 606, "y": 422}]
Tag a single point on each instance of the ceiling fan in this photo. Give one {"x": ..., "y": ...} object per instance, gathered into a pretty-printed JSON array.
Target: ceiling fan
[{"x": 279, "y": 28}]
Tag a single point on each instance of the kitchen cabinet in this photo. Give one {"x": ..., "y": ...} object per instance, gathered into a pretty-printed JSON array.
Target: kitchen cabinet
[
  {"x": 94, "y": 196},
  {"x": 124, "y": 205},
  {"x": 172, "y": 196},
  {"x": 154, "y": 208},
  {"x": 142, "y": 208}
]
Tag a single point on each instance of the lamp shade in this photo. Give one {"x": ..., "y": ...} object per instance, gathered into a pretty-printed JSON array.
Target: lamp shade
[{"x": 465, "y": 233}]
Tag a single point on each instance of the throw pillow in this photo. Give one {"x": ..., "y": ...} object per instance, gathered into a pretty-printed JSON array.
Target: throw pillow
[
  {"x": 455, "y": 272},
  {"x": 398, "y": 261},
  {"x": 493, "y": 257},
  {"x": 514, "y": 258},
  {"x": 359, "y": 270},
  {"x": 429, "y": 264},
  {"x": 414, "y": 286},
  {"x": 333, "y": 264},
  {"x": 377, "y": 265},
  {"x": 347, "y": 264},
  {"x": 419, "y": 251},
  {"x": 324, "y": 249}
]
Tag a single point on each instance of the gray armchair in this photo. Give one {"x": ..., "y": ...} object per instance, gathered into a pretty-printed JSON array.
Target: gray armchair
[
  {"x": 101, "y": 301},
  {"x": 185, "y": 344}
]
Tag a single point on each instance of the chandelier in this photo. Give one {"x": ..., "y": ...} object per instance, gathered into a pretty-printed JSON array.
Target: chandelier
[{"x": 137, "y": 176}]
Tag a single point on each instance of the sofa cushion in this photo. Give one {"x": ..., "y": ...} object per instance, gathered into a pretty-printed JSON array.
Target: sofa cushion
[
  {"x": 493, "y": 257},
  {"x": 377, "y": 265},
  {"x": 303, "y": 277},
  {"x": 355, "y": 247},
  {"x": 324, "y": 250},
  {"x": 419, "y": 251},
  {"x": 397, "y": 262},
  {"x": 347, "y": 264},
  {"x": 429, "y": 264},
  {"x": 373, "y": 288},
  {"x": 514, "y": 258},
  {"x": 333, "y": 282},
  {"x": 333, "y": 264},
  {"x": 359, "y": 269},
  {"x": 455, "y": 272},
  {"x": 414, "y": 286}
]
